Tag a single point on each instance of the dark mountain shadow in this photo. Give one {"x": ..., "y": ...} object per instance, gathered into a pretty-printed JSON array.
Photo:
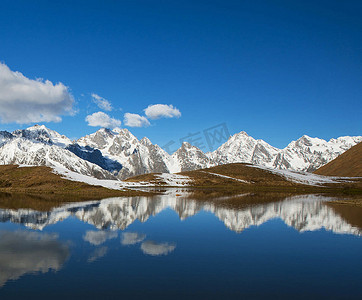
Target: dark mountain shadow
[{"x": 95, "y": 156}]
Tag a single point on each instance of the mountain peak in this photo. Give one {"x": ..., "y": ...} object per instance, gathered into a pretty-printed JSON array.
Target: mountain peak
[
  {"x": 117, "y": 130},
  {"x": 106, "y": 130},
  {"x": 241, "y": 133},
  {"x": 41, "y": 133},
  {"x": 310, "y": 141},
  {"x": 37, "y": 127},
  {"x": 103, "y": 133},
  {"x": 305, "y": 138},
  {"x": 123, "y": 131},
  {"x": 187, "y": 145},
  {"x": 145, "y": 141}
]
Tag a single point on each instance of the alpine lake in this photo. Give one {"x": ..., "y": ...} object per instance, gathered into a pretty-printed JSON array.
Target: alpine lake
[{"x": 181, "y": 244}]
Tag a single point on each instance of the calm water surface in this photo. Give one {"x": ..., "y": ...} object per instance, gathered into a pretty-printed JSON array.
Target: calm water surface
[{"x": 171, "y": 246}]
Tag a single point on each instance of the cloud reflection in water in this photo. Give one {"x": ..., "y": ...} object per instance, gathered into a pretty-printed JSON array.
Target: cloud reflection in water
[{"x": 24, "y": 252}]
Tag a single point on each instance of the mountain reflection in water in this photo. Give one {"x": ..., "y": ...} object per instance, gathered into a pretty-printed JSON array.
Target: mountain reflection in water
[
  {"x": 304, "y": 213},
  {"x": 165, "y": 240}
]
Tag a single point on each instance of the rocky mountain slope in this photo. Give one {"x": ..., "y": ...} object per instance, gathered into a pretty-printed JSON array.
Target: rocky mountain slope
[
  {"x": 304, "y": 154},
  {"x": 108, "y": 154},
  {"x": 39, "y": 146},
  {"x": 348, "y": 164},
  {"x": 140, "y": 157},
  {"x": 135, "y": 156}
]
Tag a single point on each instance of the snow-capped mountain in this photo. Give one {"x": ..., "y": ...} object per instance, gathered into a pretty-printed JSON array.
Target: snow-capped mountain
[
  {"x": 305, "y": 154},
  {"x": 189, "y": 158},
  {"x": 40, "y": 133},
  {"x": 304, "y": 213},
  {"x": 136, "y": 157},
  {"x": 39, "y": 146},
  {"x": 243, "y": 148},
  {"x": 308, "y": 154},
  {"x": 141, "y": 156},
  {"x": 5, "y": 137},
  {"x": 110, "y": 154}
]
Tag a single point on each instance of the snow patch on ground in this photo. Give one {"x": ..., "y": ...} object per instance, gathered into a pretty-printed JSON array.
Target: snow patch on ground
[
  {"x": 228, "y": 177},
  {"x": 73, "y": 176},
  {"x": 168, "y": 179},
  {"x": 302, "y": 177},
  {"x": 174, "y": 179}
]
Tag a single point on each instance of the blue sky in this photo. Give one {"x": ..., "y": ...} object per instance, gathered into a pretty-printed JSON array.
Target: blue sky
[{"x": 275, "y": 69}]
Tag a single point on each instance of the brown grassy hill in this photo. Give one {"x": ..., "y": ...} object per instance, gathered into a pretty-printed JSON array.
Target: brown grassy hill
[
  {"x": 236, "y": 174},
  {"x": 243, "y": 177},
  {"x": 237, "y": 171},
  {"x": 41, "y": 180},
  {"x": 234, "y": 177},
  {"x": 348, "y": 164}
]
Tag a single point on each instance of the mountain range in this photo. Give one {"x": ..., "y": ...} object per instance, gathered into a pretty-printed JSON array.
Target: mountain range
[{"x": 118, "y": 154}]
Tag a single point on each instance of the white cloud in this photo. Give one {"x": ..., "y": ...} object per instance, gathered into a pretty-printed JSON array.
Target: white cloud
[
  {"x": 101, "y": 102},
  {"x": 24, "y": 100},
  {"x": 153, "y": 248},
  {"x": 157, "y": 111},
  {"x": 134, "y": 120},
  {"x": 101, "y": 119}
]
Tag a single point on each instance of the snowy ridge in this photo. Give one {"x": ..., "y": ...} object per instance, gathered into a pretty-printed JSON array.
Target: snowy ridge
[
  {"x": 40, "y": 133},
  {"x": 191, "y": 158},
  {"x": 308, "y": 154},
  {"x": 136, "y": 157},
  {"x": 21, "y": 151},
  {"x": 305, "y": 154},
  {"x": 140, "y": 157},
  {"x": 118, "y": 154},
  {"x": 5, "y": 137},
  {"x": 304, "y": 213},
  {"x": 303, "y": 177},
  {"x": 243, "y": 148}
]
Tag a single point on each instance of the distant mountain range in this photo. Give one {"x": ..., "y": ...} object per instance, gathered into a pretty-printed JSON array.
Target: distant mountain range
[{"x": 108, "y": 154}]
